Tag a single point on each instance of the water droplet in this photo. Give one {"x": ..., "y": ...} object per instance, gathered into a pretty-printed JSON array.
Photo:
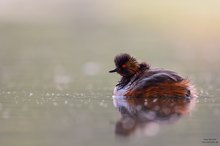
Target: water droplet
[
  {"x": 65, "y": 102},
  {"x": 155, "y": 100},
  {"x": 30, "y": 94}
]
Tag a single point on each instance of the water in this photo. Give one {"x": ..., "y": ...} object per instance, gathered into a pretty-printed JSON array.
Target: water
[{"x": 55, "y": 88}]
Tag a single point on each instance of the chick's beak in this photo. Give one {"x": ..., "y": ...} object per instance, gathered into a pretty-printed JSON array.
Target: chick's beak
[{"x": 114, "y": 70}]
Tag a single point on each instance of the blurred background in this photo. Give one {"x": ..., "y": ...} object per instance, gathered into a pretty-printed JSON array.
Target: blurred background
[
  {"x": 40, "y": 39},
  {"x": 53, "y": 52}
]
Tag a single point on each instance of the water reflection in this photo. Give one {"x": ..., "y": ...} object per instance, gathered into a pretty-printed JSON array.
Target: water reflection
[{"x": 145, "y": 115}]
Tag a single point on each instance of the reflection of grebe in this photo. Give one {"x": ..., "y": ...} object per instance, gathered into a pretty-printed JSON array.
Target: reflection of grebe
[
  {"x": 146, "y": 114},
  {"x": 138, "y": 79},
  {"x": 146, "y": 96}
]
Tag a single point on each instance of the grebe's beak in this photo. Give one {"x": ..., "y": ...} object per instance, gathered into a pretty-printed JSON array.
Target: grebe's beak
[{"x": 114, "y": 70}]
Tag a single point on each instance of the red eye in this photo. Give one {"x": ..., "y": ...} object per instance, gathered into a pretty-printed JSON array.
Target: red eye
[{"x": 124, "y": 66}]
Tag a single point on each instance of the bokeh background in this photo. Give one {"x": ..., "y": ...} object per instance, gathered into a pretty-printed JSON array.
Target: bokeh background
[{"x": 53, "y": 52}]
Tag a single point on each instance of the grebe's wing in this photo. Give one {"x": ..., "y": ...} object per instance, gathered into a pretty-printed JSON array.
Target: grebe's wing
[{"x": 158, "y": 77}]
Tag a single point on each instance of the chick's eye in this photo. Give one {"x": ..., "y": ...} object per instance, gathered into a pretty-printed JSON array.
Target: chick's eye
[{"x": 124, "y": 66}]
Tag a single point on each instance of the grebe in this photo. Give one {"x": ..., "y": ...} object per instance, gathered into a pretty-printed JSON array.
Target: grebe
[{"x": 140, "y": 80}]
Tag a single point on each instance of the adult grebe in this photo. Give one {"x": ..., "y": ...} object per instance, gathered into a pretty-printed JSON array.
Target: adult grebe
[{"x": 140, "y": 80}]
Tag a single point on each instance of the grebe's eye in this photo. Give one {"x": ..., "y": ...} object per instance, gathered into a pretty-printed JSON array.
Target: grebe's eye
[{"x": 124, "y": 66}]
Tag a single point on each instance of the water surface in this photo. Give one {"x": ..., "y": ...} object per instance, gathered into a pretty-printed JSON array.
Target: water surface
[{"x": 55, "y": 88}]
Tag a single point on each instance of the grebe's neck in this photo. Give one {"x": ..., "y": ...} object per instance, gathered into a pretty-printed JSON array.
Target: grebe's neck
[
  {"x": 123, "y": 82},
  {"x": 126, "y": 79}
]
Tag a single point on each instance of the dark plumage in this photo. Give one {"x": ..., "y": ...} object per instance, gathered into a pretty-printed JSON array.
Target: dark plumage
[{"x": 139, "y": 79}]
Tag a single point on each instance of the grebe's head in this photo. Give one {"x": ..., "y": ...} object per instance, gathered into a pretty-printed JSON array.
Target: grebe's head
[{"x": 126, "y": 65}]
